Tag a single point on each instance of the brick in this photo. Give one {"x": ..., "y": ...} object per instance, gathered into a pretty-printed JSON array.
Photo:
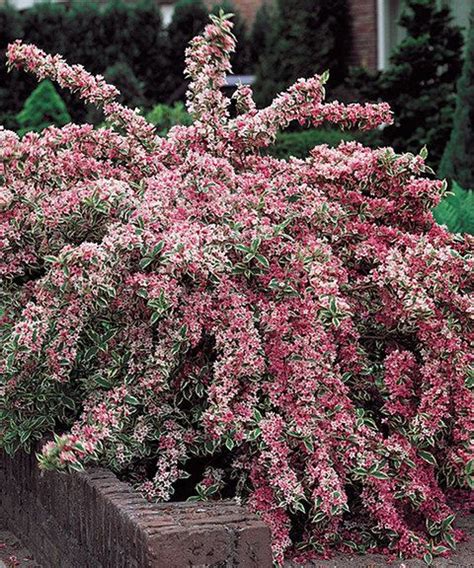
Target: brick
[
  {"x": 251, "y": 551},
  {"x": 204, "y": 546}
]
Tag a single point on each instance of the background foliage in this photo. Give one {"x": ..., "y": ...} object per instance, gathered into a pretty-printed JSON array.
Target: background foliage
[
  {"x": 420, "y": 82},
  {"x": 457, "y": 210},
  {"x": 42, "y": 108},
  {"x": 458, "y": 157},
  {"x": 304, "y": 37}
]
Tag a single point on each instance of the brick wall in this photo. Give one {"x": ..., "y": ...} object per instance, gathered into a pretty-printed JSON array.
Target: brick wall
[
  {"x": 93, "y": 520},
  {"x": 364, "y": 33}
]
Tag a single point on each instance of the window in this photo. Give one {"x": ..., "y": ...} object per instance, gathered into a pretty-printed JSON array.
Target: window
[
  {"x": 389, "y": 33},
  {"x": 167, "y": 13}
]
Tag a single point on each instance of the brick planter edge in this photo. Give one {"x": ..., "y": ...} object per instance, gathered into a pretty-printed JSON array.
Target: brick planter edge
[{"x": 93, "y": 520}]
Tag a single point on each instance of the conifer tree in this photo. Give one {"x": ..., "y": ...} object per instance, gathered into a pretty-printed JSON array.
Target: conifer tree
[
  {"x": 458, "y": 157},
  {"x": 260, "y": 32},
  {"x": 189, "y": 19},
  {"x": 456, "y": 211},
  {"x": 44, "y": 107},
  {"x": 131, "y": 89},
  {"x": 306, "y": 37},
  {"x": 421, "y": 80},
  {"x": 45, "y": 25}
]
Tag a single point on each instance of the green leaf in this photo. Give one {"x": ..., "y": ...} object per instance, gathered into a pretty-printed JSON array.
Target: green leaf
[
  {"x": 76, "y": 466},
  {"x": 50, "y": 259},
  {"x": 424, "y": 152},
  {"x": 243, "y": 248},
  {"x": 194, "y": 498},
  {"x": 380, "y": 475},
  {"x": 428, "y": 558},
  {"x": 155, "y": 316},
  {"x": 158, "y": 248},
  {"x": 256, "y": 244},
  {"x": 212, "y": 489},
  {"x": 427, "y": 456},
  {"x": 24, "y": 435},
  {"x": 144, "y": 262},
  {"x": 319, "y": 517},
  {"x": 254, "y": 434},
  {"x": 324, "y": 78},
  {"x": 262, "y": 260},
  {"x": 299, "y": 506},
  {"x": 143, "y": 293},
  {"x": 449, "y": 540},
  {"x": 130, "y": 399},
  {"x": 69, "y": 403},
  {"x": 437, "y": 550},
  {"x": 102, "y": 382},
  {"x": 257, "y": 415},
  {"x": 447, "y": 522}
]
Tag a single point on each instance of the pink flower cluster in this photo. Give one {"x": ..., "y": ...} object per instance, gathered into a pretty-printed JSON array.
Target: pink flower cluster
[{"x": 297, "y": 332}]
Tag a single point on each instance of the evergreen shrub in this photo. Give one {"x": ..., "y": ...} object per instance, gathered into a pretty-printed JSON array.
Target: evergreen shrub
[
  {"x": 299, "y": 144},
  {"x": 164, "y": 117},
  {"x": 43, "y": 108},
  {"x": 420, "y": 83},
  {"x": 305, "y": 37},
  {"x": 458, "y": 157}
]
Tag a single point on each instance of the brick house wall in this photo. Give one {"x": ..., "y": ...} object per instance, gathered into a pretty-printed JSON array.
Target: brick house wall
[{"x": 364, "y": 33}]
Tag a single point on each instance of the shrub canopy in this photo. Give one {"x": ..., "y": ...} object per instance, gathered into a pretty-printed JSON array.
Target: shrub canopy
[{"x": 296, "y": 332}]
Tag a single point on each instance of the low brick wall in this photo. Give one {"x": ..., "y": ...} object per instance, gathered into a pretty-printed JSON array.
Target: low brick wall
[{"x": 93, "y": 520}]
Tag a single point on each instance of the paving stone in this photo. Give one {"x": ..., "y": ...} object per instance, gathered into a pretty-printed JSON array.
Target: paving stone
[{"x": 12, "y": 550}]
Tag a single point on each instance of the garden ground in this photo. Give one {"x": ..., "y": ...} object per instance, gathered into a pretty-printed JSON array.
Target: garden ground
[
  {"x": 12, "y": 550},
  {"x": 10, "y": 546}
]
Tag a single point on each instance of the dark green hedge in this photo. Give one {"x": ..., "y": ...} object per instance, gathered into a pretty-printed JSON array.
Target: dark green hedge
[
  {"x": 126, "y": 42},
  {"x": 298, "y": 144}
]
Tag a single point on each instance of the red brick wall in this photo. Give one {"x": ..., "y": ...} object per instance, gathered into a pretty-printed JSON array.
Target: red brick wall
[{"x": 364, "y": 33}]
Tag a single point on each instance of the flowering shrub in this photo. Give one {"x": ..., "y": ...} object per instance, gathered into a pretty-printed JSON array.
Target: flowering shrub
[{"x": 294, "y": 333}]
